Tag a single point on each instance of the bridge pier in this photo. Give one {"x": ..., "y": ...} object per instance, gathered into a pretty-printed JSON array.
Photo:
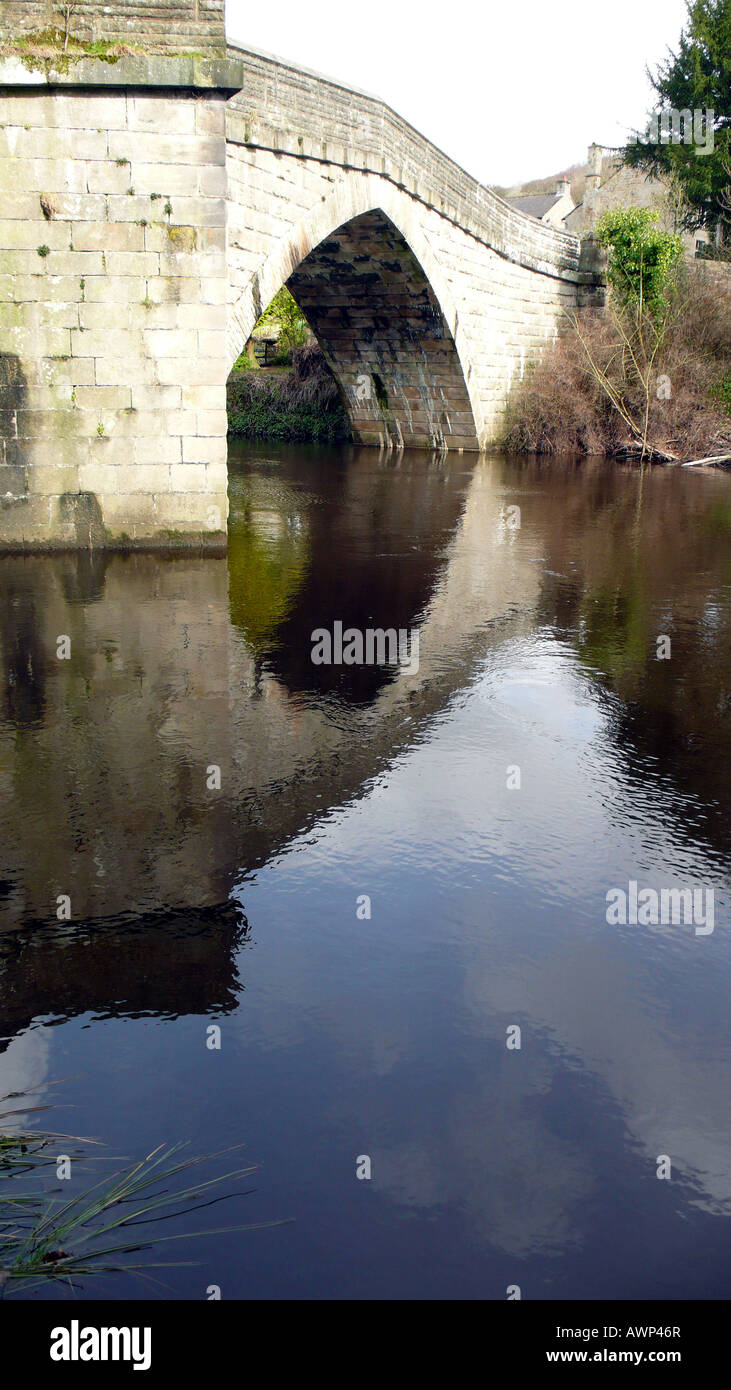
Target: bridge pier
[{"x": 113, "y": 286}]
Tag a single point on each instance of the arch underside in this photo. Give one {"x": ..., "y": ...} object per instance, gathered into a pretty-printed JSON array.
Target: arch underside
[{"x": 380, "y": 326}]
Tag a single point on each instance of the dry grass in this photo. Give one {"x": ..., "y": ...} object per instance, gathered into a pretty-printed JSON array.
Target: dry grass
[{"x": 561, "y": 405}]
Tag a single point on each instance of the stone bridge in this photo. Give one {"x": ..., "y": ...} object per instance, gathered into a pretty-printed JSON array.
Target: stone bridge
[{"x": 153, "y": 202}]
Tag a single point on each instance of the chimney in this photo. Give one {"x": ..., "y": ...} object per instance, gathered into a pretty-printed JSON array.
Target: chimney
[
  {"x": 593, "y": 184},
  {"x": 563, "y": 186}
]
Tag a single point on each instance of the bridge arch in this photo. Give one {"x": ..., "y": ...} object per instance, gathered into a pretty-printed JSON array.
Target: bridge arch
[{"x": 362, "y": 270}]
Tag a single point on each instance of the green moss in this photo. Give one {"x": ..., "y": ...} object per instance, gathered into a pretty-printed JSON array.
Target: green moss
[
  {"x": 33, "y": 50},
  {"x": 380, "y": 390},
  {"x": 183, "y": 238}
]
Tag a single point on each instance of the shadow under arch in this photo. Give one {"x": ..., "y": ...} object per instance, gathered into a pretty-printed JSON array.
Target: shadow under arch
[{"x": 365, "y": 276}]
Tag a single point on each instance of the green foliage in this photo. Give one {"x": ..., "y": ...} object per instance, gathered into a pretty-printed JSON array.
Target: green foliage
[
  {"x": 293, "y": 327},
  {"x": 44, "y": 251},
  {"x": 642, "y": 258},
  {"x": 721, "y": 391},
  {"x": 50, "y": 1238},
  {"x": 696, "y": 78},
  {"x": 243, "y": 363}
]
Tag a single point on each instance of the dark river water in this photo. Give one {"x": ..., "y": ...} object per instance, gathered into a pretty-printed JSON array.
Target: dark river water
[{"x": 552, "y": 748}]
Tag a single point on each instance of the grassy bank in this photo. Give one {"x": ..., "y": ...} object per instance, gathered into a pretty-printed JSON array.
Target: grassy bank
[{"x": 296, "y": 404}]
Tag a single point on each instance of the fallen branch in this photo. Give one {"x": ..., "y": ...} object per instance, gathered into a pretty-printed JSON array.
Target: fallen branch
[
  {"x": 650, "y": 452},
  {"x": 714, "y": 458}
]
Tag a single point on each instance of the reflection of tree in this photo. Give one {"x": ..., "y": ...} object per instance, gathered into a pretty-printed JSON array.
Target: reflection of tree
[
  {"x": 268, "y": 552},
  {"x": 376, "y": 536},
  {"x": 639, "y": 557}
]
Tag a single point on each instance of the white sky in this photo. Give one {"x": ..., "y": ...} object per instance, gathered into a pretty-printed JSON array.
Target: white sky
[{"x": 511, "y": 89}]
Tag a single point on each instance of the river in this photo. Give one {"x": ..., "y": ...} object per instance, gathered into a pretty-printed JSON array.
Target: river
[{"x": 377, "y": 881}]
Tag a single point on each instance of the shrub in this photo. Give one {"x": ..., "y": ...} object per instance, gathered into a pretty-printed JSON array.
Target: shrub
[
  {"x": 591, "y": 394},
  {"x": 303, "y": 404},
  {"x": 642, "y": 258}
]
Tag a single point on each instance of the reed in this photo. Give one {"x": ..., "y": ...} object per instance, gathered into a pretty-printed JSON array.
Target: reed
[{"x": 108, "y": 1226}]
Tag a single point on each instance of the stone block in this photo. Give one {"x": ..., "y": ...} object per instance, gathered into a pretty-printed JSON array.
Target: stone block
[
  {"x": 211, "y": 422},
  {"x": 108, "y": 236},
  {"x": 188, "y": 477},
  {"x": 157, "y": 450},
  {"x": 210, "y": 450}
]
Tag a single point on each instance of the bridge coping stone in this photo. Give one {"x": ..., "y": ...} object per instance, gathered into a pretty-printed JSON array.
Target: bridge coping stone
[{"x": 133, "y": 70}]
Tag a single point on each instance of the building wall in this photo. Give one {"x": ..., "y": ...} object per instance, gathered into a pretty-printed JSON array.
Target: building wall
[{"x": 626, "y": 187}]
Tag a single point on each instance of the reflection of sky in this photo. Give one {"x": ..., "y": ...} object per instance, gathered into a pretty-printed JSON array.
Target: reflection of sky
[
  {"x": 23, "y": 1066},
  {"x": 488, "y": 908}
]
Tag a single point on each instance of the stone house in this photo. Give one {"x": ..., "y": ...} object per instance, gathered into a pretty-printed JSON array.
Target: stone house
[
  {"x": 611, "y": 184},
  {"x": 551, "y": 208}
]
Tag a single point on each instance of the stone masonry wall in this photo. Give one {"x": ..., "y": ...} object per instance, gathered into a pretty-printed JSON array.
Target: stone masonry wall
[
  {"x": 178, "y": 25},
  {"x": 112, "y": 317},
  {"x": 497, "y": 313}
]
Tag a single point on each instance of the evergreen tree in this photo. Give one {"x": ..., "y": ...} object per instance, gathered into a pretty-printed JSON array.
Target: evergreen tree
[{"x": 696, "y": 79}]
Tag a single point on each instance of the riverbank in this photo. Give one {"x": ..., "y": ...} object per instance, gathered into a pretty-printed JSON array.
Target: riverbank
[
  {"x": 638, "y": 392},
  {"x": 296, "y": 404}
]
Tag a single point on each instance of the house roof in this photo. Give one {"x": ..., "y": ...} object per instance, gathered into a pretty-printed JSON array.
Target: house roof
[{"x": 534, "y": 204}]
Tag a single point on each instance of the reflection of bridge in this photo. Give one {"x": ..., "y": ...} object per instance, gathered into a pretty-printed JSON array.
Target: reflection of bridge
[
  {"x": 162, "y": 683},
  {"x": 154, "y": 205}
]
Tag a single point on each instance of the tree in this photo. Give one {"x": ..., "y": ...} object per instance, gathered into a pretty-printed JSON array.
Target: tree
[
  {"x": 293, "y": 326},
  {"x": 67, "y": 13},
  {"x": 642, "y": 264},
  {"x": 691, "y": 84}
]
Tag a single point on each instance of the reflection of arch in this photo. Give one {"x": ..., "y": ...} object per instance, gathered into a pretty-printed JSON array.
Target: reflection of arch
[
  {"x": 121, "y": 966},
  {"x": 358, "y": 570},
  {"x": 365, "y": 275}
]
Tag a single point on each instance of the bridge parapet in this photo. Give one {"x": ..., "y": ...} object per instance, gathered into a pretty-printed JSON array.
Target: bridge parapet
[
  {"x": 291, "y": 110},
  {"x": 175, "y": 25}
]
